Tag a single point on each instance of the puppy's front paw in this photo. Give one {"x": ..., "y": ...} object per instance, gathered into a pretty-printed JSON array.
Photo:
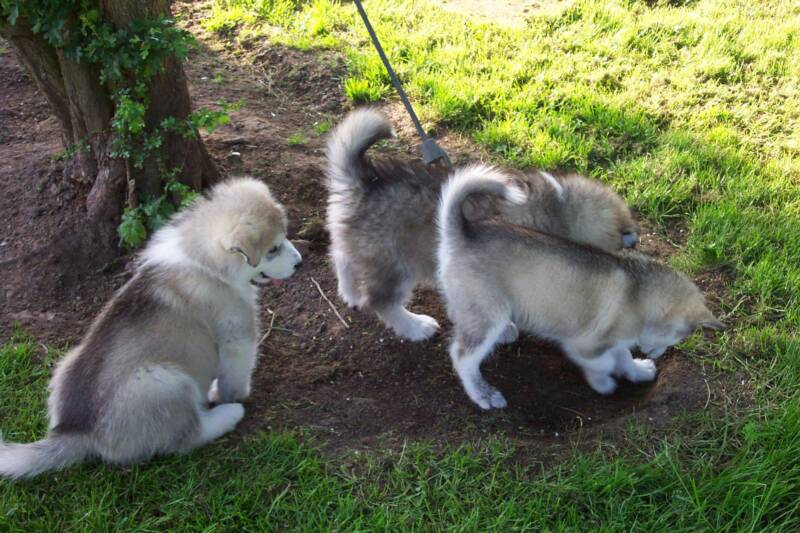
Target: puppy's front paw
[
  {"x": 604, "y": 384},
  {"x": 642, "y": 370},
  {"x": 226, "y": 392},
  {"x": 509, "y": 335},
  {"x": 419, "y": 327}
]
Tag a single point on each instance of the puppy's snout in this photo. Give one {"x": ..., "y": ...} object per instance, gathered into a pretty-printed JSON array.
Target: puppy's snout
[
  {"x": 298, "y": 264},
  {"x": 629, "y": 240}
]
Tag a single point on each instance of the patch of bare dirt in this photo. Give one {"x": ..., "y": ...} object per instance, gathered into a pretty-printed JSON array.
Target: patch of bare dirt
[{"x": 355, "y": 385}]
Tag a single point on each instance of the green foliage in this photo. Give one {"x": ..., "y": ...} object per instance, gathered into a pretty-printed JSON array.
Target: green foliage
[
  {"x": 323, "y": 126},
  {"x": 296, "y": 139},
  {"x": 132, "y": 230},
  {"x": 70, "y": 151},
  {"x": 270, "y": 481},
  {"x": 150, "y": 214},
  {"x": 127, "y": 60}
]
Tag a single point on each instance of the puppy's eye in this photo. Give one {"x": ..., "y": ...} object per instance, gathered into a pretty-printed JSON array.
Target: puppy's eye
[{"x": 274, "y": 250}]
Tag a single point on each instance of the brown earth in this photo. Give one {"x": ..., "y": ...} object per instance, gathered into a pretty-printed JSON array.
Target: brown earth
[{"x": 354, "y": 386}]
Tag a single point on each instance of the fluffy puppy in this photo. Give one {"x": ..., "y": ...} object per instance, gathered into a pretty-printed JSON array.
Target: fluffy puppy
[
  {"x": 596, "y": 305},
  {"x": 137, "y": 384},
  {"x": 381, "y": 219}
]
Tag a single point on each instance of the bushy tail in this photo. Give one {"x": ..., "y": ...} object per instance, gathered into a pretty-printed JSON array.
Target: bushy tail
[
  {"x": 53, "y": 453},
  {"x": 349, "y": 141},
  {"x": 464, "y": 182}
]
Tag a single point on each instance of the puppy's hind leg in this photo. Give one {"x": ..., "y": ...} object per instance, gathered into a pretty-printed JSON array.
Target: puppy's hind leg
[
  {"x": 216, "y": 422},
  {"x": 408, "y": 325},
  {"x": 347, "y": 287},
  {"x": 387, "y": 296},
  {"x": 467, "y": 353},
  {"x": 158, "y": 410}
]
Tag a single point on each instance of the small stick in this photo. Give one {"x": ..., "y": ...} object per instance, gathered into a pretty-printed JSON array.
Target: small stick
[
  {"x": 269, "y": 329},
  {"x": 333, "y": 308},
  {"x": 580, "y": 415}
]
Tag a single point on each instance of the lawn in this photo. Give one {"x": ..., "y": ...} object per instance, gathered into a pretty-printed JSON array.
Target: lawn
[{"x": 688, "y": 108}]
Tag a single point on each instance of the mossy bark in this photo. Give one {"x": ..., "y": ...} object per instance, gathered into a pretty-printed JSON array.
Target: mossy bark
[{"x": 84, "y": 107}]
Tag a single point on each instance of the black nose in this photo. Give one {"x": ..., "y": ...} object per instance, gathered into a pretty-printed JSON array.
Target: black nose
[
  {"x": 629, "y": 239},
  {"x": 298, "y": 265}
]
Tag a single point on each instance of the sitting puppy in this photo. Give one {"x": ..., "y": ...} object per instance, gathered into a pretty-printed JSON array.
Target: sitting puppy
[
  {"x": 137, "y": 384},
  {"x": 381, "y": 219},
  {"x": 594, "y": 304}
]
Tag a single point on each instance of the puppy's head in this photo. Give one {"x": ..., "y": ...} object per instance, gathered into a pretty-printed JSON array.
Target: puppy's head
[
  {"x": 597, "y": 216},
  {"x": 250, "y": 229},
  {"x": 680, "y": 309}
]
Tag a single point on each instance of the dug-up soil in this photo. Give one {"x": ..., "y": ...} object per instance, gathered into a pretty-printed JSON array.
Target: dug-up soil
[{"x": 353, "y": 386}]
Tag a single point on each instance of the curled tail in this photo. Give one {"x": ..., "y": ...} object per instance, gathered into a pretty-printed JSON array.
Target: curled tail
[
  {"x": 52, "y": 453},
  {"x": 464, "y": 182},
  {"x": 349, "y": 141}
]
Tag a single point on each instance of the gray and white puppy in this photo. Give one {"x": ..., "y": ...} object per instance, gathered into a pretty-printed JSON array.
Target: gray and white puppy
[
  {"x": 381, "y": 219},
  {"x": 139, "y": 382},
  {"x": 596, "y": 305}
]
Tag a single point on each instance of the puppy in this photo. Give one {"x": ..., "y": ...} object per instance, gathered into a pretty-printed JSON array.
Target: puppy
[
  {"x": 381, "y": 219},
  {"x": 596, "y": 305},
  {"x": 137, "y": 385}
]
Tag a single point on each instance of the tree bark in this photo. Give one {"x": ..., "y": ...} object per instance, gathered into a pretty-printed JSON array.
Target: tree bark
[
  {"x": 169, "y": 96},
  {"x": 84, "y": 108}
]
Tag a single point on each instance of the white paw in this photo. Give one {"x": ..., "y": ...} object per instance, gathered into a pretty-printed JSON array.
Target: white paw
[
  {"x": 419, "y": 328},
  {"x": 213, "y": 392},
  {"x": 604, "y": 384},
  {"x": 232, "y": 413},
  {"x": 509, "y": 335},
  {"x": 486, "y": 396},
  {"x": 352, "y": 299},
  {"x": 642, "y": 370},
  {"x": 497, "y": 400}
]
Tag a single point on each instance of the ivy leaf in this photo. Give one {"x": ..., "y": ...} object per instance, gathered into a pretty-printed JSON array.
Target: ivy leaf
[{"x": 131, "y": 230}]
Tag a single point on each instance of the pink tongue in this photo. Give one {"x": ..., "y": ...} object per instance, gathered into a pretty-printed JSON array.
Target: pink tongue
[{"x": 277, "y": 282}]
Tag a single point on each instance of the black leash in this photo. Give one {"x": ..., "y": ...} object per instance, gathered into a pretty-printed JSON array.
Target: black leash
[{"x": 430, "y": 150}]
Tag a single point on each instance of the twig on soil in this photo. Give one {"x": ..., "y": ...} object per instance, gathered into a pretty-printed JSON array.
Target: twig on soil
[
  {"x": 580, "y": 415},
  {"x": 286, "y": 330},
  {"x": 269, "y": 329},
  {"x": 333, "y": 308},
  {"x": 708, "y": 398}
]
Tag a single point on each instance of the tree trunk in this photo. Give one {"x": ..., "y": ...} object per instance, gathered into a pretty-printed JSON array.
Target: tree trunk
[{"x": 84, "y": 107}]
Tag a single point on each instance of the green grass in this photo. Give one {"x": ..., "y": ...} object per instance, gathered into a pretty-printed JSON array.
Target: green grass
[
  {"x": 272, "y": 482},
  {"x": 323, "y": 126},
  {"x": 296, "y": 139},
  {"x": 691, "y": 111}
]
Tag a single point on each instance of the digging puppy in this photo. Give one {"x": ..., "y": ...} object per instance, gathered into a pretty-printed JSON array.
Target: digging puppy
[
  {"x": 137, "y": 384},
  {"x": 594, "y": 304},
  {"x": 383, "y": 233}
]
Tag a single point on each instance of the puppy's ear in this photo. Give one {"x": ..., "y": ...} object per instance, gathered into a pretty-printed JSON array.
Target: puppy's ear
[
  {"x": 708, "y": 321},
  {"x": 714, "y": 324},
  {"x": 244, "y": 241}
]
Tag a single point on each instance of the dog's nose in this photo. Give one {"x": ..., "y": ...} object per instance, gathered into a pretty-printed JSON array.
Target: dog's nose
[{"x": 298, "y": 265}]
